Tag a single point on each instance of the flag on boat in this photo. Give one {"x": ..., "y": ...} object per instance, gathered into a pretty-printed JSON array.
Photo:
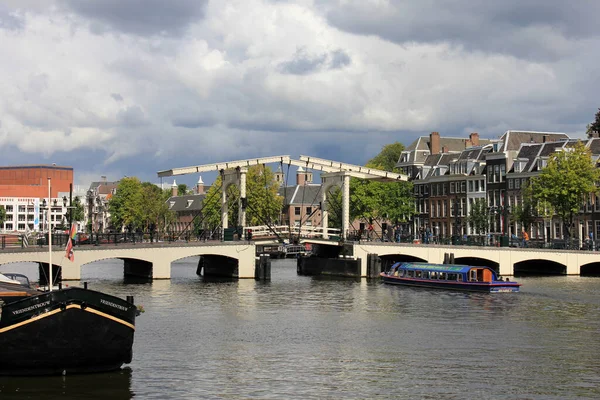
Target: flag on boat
[{"x": 69, "y": 249}]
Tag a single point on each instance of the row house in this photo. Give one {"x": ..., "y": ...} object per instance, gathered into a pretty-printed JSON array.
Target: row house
[
  {"x": 187, "y": 207},
  {"x": 447, "y": 179},
  {"x": 451, "y": 174},
  {"x": 302, "y": 201},
  {"x": 96, "y": 211},
  {"x": 531, "y": 159}
]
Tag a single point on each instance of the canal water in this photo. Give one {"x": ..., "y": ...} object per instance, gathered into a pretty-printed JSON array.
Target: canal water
[{"x": 312, "y": 338}]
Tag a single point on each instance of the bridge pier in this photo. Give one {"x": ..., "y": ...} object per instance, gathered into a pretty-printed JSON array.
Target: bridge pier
[
  {"x": 71, "y": 271},
  {"x": 138, "y": 268}
]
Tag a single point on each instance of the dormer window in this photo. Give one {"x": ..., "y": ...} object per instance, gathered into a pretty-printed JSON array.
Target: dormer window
[
  {"x": 189, "y": 203},
  {"x": 520, "y": 165},
  {"x": 171, "y": 204},
  {"x": 542, "y": 163}
]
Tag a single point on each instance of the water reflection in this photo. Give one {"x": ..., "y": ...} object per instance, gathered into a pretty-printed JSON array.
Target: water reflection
[{"x": 112, "y": 385}]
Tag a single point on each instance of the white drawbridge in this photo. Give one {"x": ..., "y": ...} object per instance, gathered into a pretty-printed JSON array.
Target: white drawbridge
[{"x": 333, "y": 173}]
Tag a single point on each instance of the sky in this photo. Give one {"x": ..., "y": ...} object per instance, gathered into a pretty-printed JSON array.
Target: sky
[{"x": 130, "y": 87}]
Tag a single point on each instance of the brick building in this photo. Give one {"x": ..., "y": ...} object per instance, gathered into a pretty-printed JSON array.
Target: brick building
[{"x": 23, "y": 191}]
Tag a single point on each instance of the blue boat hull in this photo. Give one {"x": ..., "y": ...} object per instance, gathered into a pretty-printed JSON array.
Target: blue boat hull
[{"x": 485, "y": 287}]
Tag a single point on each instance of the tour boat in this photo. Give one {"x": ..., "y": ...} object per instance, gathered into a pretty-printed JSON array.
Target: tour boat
[
  {"x": 448, "y": 276},
  {"x": 70, "y": 330}
]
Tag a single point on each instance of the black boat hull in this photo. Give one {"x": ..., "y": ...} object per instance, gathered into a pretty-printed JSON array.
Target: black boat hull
[{"x": 66, "y": 331}]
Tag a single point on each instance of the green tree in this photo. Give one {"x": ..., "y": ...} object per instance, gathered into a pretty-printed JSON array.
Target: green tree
[
  {"x": 126, "y": 205},
  {"x": 155, "y": 209},
  {"x": 2, "y": 215},
  {"x": 478, "y": 218},
  {"x": 77, "y": 212},
  {"x": 388, "y": 157},
  {"x": 567, "y": 180},
  {"x": 594, "y": 127},
  {"x": 526, "y": 212},
  {"x": 182, "y": 189},
  {"x": 263, "y": 203},
  {"x": 372, "y": 200}
]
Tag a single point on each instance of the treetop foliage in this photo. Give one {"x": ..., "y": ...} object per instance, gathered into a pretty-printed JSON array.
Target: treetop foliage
[
  {"x": 594, "y": 127},
  {"x": 566, "y": 182},
  {"x": 388, "y": 157}
]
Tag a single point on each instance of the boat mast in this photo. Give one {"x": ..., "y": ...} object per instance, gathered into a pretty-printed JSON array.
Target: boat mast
[{"x": 49, "y": 238}]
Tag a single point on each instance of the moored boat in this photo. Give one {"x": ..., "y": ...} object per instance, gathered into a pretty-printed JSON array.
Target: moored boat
[
  {"x": 63, "y": 331},
  {"x": 448, "y": 276},
  {"x": 70, "y": 330}
]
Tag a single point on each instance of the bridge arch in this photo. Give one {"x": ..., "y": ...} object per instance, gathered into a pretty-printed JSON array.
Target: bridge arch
[
  {"x": 539, "y": 267},
  {"x": 591, "y": 269},
  {"x": 387, "y": 260}
]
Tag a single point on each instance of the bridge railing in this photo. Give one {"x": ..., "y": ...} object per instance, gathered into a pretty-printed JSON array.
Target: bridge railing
[{"x": 285, "y": 231}]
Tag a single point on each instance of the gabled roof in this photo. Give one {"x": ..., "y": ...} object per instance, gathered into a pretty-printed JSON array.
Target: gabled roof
[
  {"x": 309, "y": 194},
  {"x": 104, "y": 187},
  {"x": 512, "y": 140},
  {"x": 189, "y": 202},
  {"x": 421, "y": 147}
]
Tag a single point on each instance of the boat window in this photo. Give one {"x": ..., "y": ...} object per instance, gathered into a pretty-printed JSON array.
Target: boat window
[
  {"x": 410, "y": 273},
  {"x": 396, "y": 273},
  {"x": 473, "y": 275},
  {"x": 403, "y": 272},
  {"x": 460, "y": 277},
  {"x": 452, "y": 277},
  {"x": 433, "y": 275},
  {"x": 442, "y": 275},
  {"x": 425, "y": 274},
  {"x": 418, "y": 274}
]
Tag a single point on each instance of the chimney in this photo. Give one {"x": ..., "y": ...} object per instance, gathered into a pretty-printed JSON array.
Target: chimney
[
  {"x": 300, "y": 176},
  {"x": 474, "y": 138},
  {"x": 200, "y": 186},
  {"x": 174, "y": 188},
  {"x": 434, "y": 142},
  {"x": 544, "y": 139},
  {"x": 444, "y": 149}
]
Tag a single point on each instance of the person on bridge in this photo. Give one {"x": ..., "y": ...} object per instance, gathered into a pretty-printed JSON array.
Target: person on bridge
[{"x": 525, "y": 238}]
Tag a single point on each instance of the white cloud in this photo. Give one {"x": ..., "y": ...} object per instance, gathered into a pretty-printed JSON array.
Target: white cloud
[{"x": 242, "y": 79}]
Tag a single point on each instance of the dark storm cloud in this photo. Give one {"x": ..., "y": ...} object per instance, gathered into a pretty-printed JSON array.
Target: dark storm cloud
[
  {"x": 524, "y": 28},
  {"x": 141, "y": 17},
  {"x": 304, "y": 64}
]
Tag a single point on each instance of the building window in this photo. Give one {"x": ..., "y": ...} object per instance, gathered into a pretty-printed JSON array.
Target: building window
[
  {"x": 470, "y": 186},
  {"x": 21, "y": 209},
  {"x": 451, "y": 187},
  {"x": 510, "y": 183},
  {"x": 463, "y": 187},
  {"x": 296, "y": 210},
  {"x": 502, "y": 172},
  {"x": 9, "y": 209},
  {"x": 517, "y": 184},
  {"x": 308, "y": 210},
  {"x": 9, "y": 227}
]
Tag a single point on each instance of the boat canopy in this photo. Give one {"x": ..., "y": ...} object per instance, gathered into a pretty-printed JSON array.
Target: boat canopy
[{"x": 435, "y": 267}]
